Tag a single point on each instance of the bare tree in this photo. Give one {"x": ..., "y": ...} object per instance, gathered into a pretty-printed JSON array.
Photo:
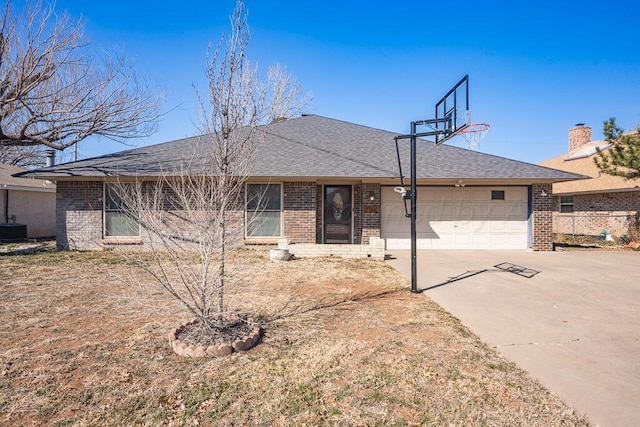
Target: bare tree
[
  {"x": 54, "y": 92},
  {"x": 24, "y": 156},
  {"x": 288, "y": 100},
  {"x": 193, "y": 216}
]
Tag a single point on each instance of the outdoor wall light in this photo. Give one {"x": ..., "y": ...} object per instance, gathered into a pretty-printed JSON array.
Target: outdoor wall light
[
  {"x": 543, "y": 193},
  {"x": 372, "y": 196},
  {"x": 460, "y": 184}
]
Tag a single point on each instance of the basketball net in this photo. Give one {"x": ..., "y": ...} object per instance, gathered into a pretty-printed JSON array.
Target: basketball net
[{"x": 474, "y": 133}]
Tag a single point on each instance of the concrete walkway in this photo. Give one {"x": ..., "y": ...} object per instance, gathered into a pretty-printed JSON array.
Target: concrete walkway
[{"x": 571, "y": 319}]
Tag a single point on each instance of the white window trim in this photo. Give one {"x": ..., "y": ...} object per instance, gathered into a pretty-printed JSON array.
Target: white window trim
[{"x": 246, "y": 211}]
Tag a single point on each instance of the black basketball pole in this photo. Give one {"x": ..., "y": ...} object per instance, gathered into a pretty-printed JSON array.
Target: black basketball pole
[
  {"x": 444, "y": 126},
  {"x": 413, "y": 193},
  {"x": 414, "y": 210}
]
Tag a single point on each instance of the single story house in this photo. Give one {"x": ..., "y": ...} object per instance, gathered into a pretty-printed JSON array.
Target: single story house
[
  {"x": 331, "y": 188},
  {"x": 27, "y": 206},
  {"x": 599, "y": 205}
]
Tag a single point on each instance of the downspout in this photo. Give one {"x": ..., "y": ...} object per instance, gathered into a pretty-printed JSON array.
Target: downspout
[
  {"x": 530, "y": 216},
  {"x": 6, "y": 206}
]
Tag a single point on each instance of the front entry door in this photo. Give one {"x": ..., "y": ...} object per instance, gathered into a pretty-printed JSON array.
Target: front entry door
[{"x": 337, "y": 214}]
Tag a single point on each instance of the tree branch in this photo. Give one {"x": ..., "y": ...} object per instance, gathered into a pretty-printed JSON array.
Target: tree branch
[{"x": 55, "y": 93}]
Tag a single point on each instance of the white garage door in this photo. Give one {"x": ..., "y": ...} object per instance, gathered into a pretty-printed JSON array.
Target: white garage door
[{"x": 458, "y": 218}]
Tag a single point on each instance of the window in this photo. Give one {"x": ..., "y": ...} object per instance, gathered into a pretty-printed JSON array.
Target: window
[
  {"x": 116, "y": 221},
  {"x": 566, "y": 204},
  {"x": 497, "y": 194},
  {"x": 264, "y": 210}
]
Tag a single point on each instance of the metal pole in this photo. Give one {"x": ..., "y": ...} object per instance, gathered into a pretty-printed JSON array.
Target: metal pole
[{"x": 414, "y": 194}]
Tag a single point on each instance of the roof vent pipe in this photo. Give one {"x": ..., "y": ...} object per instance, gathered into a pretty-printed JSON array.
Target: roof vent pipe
[{"x": 51, "y": 158}]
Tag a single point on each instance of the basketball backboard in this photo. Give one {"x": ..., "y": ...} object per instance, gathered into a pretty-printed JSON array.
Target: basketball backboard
[{"x": 454, "y": 107}]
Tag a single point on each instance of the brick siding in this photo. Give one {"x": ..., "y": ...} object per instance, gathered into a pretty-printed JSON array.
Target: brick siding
[
  {"x": 374, "y": 249},
  {"x": 543, "y": 206},
  {"x": 79, "y": 214},
  {"x": 356, "y": 214},
  {"x": 594, "y": 213},
  {"x": 319, "y": 210},
  {"x": 299, "y": 211},
  {"x": 371, "y": 217}
]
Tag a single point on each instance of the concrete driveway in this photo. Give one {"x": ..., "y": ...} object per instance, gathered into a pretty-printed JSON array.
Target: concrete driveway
[{"x": 571, "y": 319}]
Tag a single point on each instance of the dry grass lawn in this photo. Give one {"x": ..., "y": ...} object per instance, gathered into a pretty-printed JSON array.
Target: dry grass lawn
[{"x": 345, "y": 343}]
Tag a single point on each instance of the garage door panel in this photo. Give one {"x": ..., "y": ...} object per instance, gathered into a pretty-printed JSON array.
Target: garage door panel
[
  {"x": 440, "y": 225},
  {"x": 460, "y": 218},
  {"x": 498, "y": 211},
  {"x": 393, "y": 217},
  {"x": 432, "y": 196}
]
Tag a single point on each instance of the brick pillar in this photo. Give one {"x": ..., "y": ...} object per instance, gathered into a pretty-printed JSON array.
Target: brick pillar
[
  {"x": 299, "y": 211},
  {"x": 370, "y": 212},
  {"x": 319, "y": 212},
  {"x": 357, "y": 215},
  {"x": 543, "y": 207}
]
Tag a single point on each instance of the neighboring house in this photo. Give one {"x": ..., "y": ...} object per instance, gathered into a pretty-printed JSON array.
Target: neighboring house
[
  {"x": 25, "y": 202},
  {"x": 599, "y": 205},
  {"x": 331, "y": 189}
]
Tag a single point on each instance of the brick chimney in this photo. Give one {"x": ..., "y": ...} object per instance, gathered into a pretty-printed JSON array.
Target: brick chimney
[{"x": 579, "y": 136}]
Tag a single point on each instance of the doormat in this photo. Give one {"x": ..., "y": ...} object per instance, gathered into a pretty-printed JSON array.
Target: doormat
[{"x": 517, "y": 269}]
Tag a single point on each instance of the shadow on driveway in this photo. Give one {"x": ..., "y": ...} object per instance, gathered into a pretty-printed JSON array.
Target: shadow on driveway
[
  {"x": 571, "y": 319},
  {"x": 502, "y": 267}
]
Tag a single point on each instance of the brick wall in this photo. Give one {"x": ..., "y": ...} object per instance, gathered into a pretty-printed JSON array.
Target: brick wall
[
  {"x": 79, "y": 207},
  {"x": 356, "y": 214},
  {"x": 79, "y": 214},
  {"x": 374, "y": 249},
  {"x": 370, "y": 212},
  {"x": 543, "y": 207},
  {"x": 79, "y": 219},
  {"x": 300, "y": 211},
  {"x": 319, "y": 210},
  {"x": 594, "y": 213}
]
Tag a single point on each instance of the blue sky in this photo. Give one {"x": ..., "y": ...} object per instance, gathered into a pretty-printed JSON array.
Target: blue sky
[{"x": 536, "y": 67}]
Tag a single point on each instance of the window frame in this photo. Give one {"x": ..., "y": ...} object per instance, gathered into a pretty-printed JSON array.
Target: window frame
[
  {"x": 106, "y": 209},
  {"x": 256, "y": 211},
  {"x": 565, "y": 205},
  {"x": 495, "y": 193}
]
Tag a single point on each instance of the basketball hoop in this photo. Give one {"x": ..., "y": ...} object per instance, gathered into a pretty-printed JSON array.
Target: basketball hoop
[{"x": 474, "y": 133}]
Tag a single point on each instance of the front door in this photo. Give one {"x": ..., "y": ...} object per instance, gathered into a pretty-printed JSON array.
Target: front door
[{"x": 337, "y": 214}]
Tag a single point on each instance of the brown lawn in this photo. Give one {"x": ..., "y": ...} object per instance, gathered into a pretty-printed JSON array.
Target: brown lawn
[{"x": 85, "y": 343}]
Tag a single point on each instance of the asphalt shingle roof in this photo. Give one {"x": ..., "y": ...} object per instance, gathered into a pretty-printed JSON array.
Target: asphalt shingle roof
[
  {"x": 599, "y": 182},
  {"x": 8, "y": 181},
  {"x": 316, "y": 146}
]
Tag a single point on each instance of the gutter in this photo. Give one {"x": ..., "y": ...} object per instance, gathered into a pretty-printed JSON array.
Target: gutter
[{"x": 6, "y": 206}]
